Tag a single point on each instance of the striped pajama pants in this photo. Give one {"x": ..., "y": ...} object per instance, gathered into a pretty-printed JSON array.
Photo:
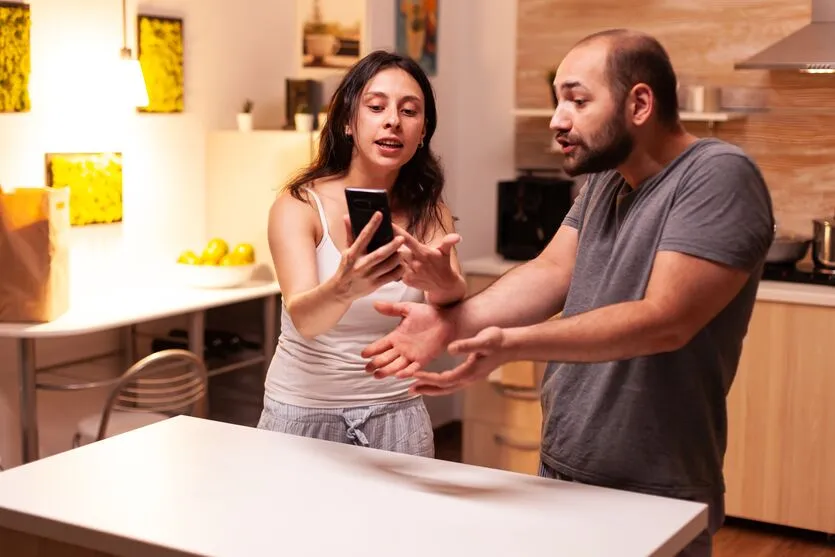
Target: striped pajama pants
[{"x": 402, "y": 427}]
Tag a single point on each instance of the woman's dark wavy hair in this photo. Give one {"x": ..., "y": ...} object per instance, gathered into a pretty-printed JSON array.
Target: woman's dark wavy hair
[{"x": 419, "y": 185}]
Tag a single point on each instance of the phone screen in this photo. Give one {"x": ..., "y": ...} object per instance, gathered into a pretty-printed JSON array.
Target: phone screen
[{"x": 362, "y": 204}]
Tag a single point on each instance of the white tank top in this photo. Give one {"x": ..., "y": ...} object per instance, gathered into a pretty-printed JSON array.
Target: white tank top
[{"x": 328, "y": 371}]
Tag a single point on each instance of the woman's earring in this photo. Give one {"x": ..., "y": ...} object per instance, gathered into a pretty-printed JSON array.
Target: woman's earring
[{"x": 420, "y": 145}]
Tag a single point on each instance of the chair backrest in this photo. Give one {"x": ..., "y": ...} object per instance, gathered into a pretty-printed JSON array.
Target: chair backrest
[{"x": 158, "y": 383}]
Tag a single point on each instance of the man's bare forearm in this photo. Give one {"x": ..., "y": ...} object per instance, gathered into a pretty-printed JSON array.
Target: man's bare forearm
[
  {"x": 528, "y": 294},
  {"x": 615, "y": 332}
]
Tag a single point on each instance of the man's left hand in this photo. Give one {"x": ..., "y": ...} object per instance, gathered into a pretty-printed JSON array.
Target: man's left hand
[{"x": 485, "y": 352}]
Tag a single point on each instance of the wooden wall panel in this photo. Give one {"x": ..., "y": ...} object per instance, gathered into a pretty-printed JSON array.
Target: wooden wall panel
[{"x": 792, "y": 137}]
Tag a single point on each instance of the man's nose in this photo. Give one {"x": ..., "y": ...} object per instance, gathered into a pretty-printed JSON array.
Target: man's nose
[{"x": 559, "y": 121}]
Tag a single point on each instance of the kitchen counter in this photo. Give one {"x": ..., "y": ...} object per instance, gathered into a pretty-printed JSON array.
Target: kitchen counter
[
  {"x": 769, "y": 290},
  {"x": 104, "y": 308},
  {"x": 188, "y": 486},
  {"x": 123, "y": 304}
]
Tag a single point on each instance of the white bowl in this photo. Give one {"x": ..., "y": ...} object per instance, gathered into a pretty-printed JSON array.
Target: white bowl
[{"x": 214, "y": 276}]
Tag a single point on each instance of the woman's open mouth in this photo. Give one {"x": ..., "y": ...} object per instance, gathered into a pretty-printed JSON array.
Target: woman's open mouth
[{"x": 389, "y": 146}]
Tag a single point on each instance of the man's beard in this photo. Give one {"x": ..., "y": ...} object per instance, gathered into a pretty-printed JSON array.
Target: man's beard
[{"x": 611, "y": 148}]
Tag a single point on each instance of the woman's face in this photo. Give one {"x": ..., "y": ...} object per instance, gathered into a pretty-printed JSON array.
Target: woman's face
[{"x": 390, "y": 120}]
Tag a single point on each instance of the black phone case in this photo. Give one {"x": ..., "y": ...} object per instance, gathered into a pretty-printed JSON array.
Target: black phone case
[{"x": 362, "y": 204}]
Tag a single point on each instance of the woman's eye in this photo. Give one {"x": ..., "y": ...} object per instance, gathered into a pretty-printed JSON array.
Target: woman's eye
[
  {"x": 579, "y": 102},
  {"x": 375, "y": 108},
  {"x": 409, "y": 112}
]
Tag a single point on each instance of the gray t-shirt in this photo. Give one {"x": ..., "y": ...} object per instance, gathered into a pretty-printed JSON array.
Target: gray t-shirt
[{"x": 657, "y": 423}]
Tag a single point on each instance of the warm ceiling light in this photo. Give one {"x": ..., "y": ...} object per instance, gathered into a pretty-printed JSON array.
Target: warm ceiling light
[{"x": 132, "y": 80}]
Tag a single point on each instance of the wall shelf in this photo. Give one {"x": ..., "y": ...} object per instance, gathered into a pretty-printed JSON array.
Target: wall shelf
[{"x": 709, "y": 117}]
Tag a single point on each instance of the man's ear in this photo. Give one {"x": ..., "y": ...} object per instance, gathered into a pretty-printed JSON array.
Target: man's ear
[{"x": 640, "y": 105}]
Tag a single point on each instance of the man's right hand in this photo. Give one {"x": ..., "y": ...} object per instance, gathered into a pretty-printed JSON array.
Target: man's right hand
[{"x": 421, "y": 336}]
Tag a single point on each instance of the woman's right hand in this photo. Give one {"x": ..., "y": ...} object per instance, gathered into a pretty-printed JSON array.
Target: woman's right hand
[{"x": 361, "y": 273}]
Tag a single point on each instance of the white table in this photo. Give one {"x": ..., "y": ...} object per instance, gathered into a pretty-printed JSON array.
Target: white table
[
  {"x": 188, "y": 486},
  {"x": 122, "y": 307}
]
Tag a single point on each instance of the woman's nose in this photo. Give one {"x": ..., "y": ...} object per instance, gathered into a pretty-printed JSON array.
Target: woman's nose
[{"x": 393, "y": 118}]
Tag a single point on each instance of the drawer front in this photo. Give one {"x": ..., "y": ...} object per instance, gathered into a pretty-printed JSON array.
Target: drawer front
[
  {"x": 503, "y": 448},
  {"x": 526, "y": 375},
  {"x": 495, "y": 403}
]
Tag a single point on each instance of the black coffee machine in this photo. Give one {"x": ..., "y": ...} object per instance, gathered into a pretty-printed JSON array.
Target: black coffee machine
[{"x": 530, "y": 210}]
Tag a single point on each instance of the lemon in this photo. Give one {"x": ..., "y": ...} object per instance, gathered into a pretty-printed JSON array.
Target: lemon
[
  {"x": 217, "y": 248},
  {"x": 188, "y": 257},
  {"x": 244, "y": 254},
  {"x": 207, "y": 259},
  {"x": 214, "y": 252},
  {"x": 227, "y": 260}
]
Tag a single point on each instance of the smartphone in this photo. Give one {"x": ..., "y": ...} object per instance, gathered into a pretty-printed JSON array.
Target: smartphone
[{"x": 362, "y": 204}]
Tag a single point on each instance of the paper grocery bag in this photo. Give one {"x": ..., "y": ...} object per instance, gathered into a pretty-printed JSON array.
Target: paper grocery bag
[{"x": 34, "y": 254}]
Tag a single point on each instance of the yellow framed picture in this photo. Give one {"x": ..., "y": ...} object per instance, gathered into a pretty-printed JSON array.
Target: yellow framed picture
[
  {"x": 15, "y": 61},
  {"x": 160, "y": 52},
  {"x": 95, "y": 184}
]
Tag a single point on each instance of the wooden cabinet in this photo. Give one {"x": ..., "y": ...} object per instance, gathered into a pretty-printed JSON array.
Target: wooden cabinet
[
  {"x": 780, "y": 462},
  {"x": 502, "y": 417}
]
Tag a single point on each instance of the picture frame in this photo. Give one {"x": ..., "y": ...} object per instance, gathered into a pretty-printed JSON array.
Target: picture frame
[
  {"x": 15, "y": 57},
  {"x": 95, "y": 184},
  {"x": 160, "y": 47},
  {"x": 331, "y": 35},
  {"x": 416, "y": 32}
]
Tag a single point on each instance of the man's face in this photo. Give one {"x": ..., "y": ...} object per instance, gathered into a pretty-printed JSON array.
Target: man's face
[{"x": 589, "y": 122}]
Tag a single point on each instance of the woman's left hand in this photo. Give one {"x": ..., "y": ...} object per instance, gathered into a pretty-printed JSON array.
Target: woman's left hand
[{"x": 428, "y": 268}]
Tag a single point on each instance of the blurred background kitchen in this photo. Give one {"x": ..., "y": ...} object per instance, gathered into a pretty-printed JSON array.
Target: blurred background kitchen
[{"x": 233, "y": 96}]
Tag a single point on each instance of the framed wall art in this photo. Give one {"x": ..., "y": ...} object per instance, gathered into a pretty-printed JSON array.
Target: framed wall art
[
  {"x": 15, "y": 61},
  {"x": 416, "y": 32},
  {"x": 95, "y": 184},
  {"x": 331, "y": 33},
  {"x": 160, "y": 50}
]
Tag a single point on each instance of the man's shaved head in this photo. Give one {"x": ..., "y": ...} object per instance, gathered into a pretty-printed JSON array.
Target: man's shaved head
[{"x": 634, "y": 57}]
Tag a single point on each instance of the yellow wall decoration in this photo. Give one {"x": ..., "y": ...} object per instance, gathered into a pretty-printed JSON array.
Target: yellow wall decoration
[
  {"x": 15, "y": 23},
  {"x": 160, "y": 53},
  {"x": 95, "y": 182}
]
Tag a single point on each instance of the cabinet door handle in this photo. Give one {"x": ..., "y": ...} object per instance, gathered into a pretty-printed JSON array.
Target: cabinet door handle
[
  {"x": 519, "y": 445},
  {"x": 522, "y": 393}
]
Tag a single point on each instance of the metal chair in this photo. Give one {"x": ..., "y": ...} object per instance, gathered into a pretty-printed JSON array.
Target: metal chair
[{"x": 151, "y": 390}]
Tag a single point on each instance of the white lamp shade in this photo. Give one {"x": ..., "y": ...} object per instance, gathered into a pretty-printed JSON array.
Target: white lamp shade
[{"x": 134, "y": 91}]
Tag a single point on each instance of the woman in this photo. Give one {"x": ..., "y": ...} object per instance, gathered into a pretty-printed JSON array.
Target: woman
[{"x": 377, "y": 135}]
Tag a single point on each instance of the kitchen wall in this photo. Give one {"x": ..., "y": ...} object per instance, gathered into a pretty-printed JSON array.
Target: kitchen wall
[
  {"x": 232, "y": 53},
  {"x": 76, "y": 108},
  {"x": 793, "y": 140}
]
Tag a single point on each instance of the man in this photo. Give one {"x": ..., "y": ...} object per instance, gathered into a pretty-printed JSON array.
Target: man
[{"x": 655, "y": 270}]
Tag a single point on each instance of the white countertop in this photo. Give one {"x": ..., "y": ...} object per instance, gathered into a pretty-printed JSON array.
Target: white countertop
[
  {"x": 102, "y": 308},
  {"x": 192, "y": 486},
  {"x": 769, "y": 290}
]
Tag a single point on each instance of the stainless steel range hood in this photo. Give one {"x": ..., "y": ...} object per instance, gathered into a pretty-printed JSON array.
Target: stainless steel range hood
[{"x": 810, "y": 49}]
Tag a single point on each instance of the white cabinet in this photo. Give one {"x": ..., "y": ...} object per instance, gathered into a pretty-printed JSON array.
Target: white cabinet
[{"x": 244, "y": 172}]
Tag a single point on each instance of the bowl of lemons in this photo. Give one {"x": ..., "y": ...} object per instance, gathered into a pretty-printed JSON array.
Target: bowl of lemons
[{"x": 217, "y": 266}]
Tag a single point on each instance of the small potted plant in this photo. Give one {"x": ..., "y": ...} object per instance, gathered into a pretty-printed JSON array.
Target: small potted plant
[
  {"x": 303, "y": 118},
  {"x": 245, "y": 117}
]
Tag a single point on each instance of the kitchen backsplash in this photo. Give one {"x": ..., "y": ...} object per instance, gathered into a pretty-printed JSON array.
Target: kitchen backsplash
[{"x": 790, "y": 127}]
